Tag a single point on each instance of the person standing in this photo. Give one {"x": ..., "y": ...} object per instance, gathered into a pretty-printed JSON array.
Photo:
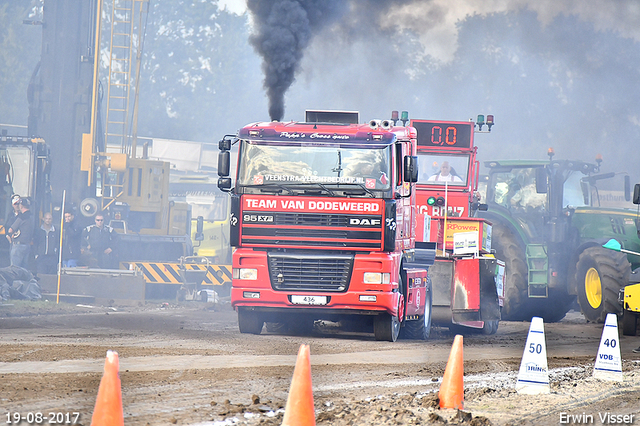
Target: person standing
[
  {"x": 445, "y": 174},
  {"x": 72, "y": 235},
  {"x": 46, "y": 241},
  {"x": 14, "y": 213},
  {"x": 99, "y": 243},
  {"x": 20, "y": 235}
]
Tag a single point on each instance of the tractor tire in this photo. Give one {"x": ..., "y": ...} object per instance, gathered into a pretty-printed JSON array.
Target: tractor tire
[
  {"x": 600, "y": 274},
  {"x": 512, "y": 252},
  {"x": 629, "y": 323},
  {"x": 554, "y": 307},
  {"x": 249, "y": 322},
  {"x": 420, "y": 329}
]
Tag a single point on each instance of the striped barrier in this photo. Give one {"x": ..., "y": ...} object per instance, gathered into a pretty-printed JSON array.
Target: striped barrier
[{"x": 169, "y": 273}]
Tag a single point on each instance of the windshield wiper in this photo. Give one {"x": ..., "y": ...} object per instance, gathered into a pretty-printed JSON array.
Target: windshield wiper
[
  {"x": 322, "y": 186},
  {"x": 360, "y": 186},
  {"x": 265, "y": 188}
]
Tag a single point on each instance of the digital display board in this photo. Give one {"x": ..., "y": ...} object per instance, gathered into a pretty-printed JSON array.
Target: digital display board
[{"x": 442, "y": 134}]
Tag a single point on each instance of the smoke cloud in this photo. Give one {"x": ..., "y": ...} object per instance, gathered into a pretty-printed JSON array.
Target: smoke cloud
[{"x": 282, "y": 31}]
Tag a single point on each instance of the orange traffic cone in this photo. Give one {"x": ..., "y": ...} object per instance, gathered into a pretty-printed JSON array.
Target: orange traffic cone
[
  {"x": 299, "y": 410},
  {"x": 108, "y": 409},
  {"x": 452, "y": 388}
]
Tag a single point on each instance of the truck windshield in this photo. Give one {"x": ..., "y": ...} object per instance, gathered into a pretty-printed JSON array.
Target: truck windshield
[
  {"x": 263, "y": 164},
  {"x": 443, "y": 169}
]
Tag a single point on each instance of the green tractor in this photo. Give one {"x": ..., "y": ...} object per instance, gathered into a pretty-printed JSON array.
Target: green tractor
[{"x": 549, "y": 228}]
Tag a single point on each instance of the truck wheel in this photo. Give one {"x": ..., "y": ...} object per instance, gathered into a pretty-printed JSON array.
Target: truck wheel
[
  {"x": 600, "y": 274},
  {"x": 511, "y": 251},
  {"x": 629, "y": 323},
  {"x": 249, "y": 322},
  {"x": 420, "y": 328},
  {"x": 386, "y": 327},
  {"x": 490, "y": 327}
]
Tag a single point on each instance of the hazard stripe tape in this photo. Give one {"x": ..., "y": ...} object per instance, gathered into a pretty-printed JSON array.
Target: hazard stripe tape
[{"x": 169, "y": 273}]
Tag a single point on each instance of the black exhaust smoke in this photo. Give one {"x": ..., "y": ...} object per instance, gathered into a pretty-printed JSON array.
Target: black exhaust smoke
[{"x": 283, "y": 29}]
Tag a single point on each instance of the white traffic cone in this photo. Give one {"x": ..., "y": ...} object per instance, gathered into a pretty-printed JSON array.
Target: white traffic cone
[
  {"x": 608, "y": 361},
  {"x": 533, "y": 378}
]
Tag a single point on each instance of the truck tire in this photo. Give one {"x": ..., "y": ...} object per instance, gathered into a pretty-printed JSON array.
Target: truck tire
[
  {"x": 490, "y": 327},
  {"x": 421, "y": 328},
  {"x": 249, "y": 322},
  {"x": 629, "y": 323},
  {"x": 511, "y": 251},
  {"x": 600, "y": 274},
  {"x": 386, "y": 327}
]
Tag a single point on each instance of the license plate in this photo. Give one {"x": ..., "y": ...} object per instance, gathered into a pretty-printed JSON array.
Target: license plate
[{"x": 309, "y": 300}]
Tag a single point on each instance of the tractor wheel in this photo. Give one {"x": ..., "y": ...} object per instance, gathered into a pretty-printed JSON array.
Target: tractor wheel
[
  {"x": 512, "y": 252},
  {"x": 249, "y": 322},
  {"x": 421, "y": 328},
  {"x": 554, "y": 307},
  {"x": 629, "y": 323},
  {"x": 600, "y": 274}
]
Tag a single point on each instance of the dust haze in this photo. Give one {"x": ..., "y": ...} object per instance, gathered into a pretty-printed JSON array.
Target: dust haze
[{"x": 561, "y": 74}]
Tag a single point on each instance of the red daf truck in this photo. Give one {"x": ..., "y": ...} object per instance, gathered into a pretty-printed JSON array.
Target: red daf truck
[
  {"x": 468, "y": 281},
  {"x": 323, "y": 223}
]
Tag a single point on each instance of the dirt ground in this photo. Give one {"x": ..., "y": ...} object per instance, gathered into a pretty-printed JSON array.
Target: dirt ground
[{"x": 188, "y": 364}]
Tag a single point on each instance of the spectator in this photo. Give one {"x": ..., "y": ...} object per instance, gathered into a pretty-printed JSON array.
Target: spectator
[
  {"x": 13, "y": 214},
  {"x": 72, "y": 235},
  {"x": 46, "y": 241},
  {"x": 20, "y": 235},
  {"x": 99, "y": 243}
]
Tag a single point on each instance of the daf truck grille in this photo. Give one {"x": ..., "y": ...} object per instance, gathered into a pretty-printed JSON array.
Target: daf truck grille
[{"x": 298, "y": 272}]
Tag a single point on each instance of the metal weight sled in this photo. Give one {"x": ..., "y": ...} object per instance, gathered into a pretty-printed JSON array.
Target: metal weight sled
[{"x": 193, "y": 270}]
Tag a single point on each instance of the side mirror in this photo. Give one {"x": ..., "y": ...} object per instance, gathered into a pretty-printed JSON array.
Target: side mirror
[
  {"x": 224, "y": 183},
  {"x": 636, "y": 194},
  {"x": 627, "y": 188},
  {"x": 224, "y": 144},
  {"x": 224, "y": 163},
  {"x": 410, "y": 168},
  {"x": 542, "y": 180},
  {"x": 199, "y": 229}
]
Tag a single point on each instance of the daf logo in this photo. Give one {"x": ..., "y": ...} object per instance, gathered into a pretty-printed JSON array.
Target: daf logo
[
  {"x": 364, "y": 222},
  {"x": 257, "y": 218}
]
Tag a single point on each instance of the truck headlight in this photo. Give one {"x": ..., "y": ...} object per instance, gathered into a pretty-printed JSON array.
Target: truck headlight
[
  {"x": 377, "y": 277},
  {"x": 245, "y": 274}
]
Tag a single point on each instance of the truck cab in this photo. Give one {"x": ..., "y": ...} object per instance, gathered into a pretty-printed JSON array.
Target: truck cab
[{"x": 322, "y": 219}]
